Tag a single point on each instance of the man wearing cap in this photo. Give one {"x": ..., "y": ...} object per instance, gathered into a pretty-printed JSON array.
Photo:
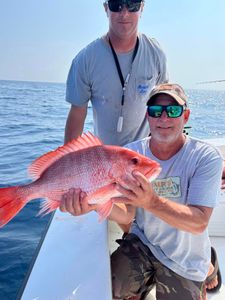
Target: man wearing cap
[{"x": 168, "y": 243}]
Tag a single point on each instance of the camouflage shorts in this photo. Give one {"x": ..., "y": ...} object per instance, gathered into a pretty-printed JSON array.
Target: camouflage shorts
[{"x": 135, "y": 271}]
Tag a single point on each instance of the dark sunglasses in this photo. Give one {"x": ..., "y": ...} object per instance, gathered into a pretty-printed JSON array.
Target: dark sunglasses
[
  {"x": 172, "y": 111},
  {"x": 117, "y": 5}
]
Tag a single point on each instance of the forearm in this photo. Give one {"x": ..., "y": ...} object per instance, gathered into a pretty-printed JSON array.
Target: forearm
[
  {"x": 122, "y": 214},
  {"x": 188, "y": 218},
  {"x": 75, "y": 123}
]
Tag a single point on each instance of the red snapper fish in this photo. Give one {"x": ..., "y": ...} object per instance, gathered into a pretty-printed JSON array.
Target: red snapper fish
[{"x": 83, "y": 163}]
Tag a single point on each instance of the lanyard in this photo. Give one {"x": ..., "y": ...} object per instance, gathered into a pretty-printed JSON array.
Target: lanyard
[{"x": 123, "y": 82}]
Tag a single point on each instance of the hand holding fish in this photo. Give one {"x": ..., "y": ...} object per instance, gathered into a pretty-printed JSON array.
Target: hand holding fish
[
  {"x": 75, "y": 203},
  {"x": 137, "y": 192}
]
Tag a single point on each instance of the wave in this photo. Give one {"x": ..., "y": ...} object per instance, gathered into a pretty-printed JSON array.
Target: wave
[{"x": 7, "y": 98}]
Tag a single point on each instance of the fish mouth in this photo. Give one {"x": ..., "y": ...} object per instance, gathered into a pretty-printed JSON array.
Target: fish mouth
[{"x": 152, "y": 175}]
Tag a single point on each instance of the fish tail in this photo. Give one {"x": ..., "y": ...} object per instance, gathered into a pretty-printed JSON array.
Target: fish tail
[{"x": 12, "y": 200}]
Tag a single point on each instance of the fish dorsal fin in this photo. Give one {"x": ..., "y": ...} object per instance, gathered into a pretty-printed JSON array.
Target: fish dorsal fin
[{"x": 86, "y": 140}]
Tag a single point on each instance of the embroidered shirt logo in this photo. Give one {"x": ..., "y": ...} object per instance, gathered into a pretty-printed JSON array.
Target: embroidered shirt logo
[
  {"x": 168, "y": 188},
  {"x": 142, "y": 88}
]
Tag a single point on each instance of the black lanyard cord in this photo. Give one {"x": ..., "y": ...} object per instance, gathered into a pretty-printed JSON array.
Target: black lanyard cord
[{"x": 123, "y": 82}]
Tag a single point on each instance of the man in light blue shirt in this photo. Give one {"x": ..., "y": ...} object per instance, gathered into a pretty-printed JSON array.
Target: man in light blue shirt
[{"x": 168, "y": 242}]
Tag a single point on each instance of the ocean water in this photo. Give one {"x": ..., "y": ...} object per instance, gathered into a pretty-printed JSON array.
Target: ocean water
[{"x": 32, "y": 120}]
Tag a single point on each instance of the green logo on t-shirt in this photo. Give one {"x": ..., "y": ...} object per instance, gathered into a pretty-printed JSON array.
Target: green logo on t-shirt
[{"x": 168, "y": 188}]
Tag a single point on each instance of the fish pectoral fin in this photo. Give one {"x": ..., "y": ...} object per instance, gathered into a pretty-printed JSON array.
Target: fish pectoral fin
[
  {"x": 103, "y": 194},
  {"x": 49, "y": 204},
  {"x": 104, "y": 210}
]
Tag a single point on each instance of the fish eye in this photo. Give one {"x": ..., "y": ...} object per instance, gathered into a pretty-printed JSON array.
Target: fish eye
[{"x": 135, "y": 160}]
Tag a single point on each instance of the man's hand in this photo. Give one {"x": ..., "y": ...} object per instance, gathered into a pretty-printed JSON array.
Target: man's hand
[
  {"x": 137, "y": 192},
  {"x": 74, "y": 202}
]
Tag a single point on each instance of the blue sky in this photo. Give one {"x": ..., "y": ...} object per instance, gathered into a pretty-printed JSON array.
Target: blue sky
[{"x": 39, "y": 38}]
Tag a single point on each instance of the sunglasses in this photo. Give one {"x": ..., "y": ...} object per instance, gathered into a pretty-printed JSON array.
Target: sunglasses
[
  {"x": 172, "y": 111},
  {"x": 117, "y": 5}
]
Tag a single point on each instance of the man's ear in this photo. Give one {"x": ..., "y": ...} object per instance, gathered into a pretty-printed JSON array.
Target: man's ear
[
  {"x": 186, "y": 115},
  {"x": 106, "y": 8},
  {"x": 141, "y": 9}
]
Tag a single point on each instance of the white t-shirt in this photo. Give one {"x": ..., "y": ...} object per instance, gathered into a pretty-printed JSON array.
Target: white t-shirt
[
  {"x": 93, "y": 76},
  {"x": 192, "y": 176}
]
